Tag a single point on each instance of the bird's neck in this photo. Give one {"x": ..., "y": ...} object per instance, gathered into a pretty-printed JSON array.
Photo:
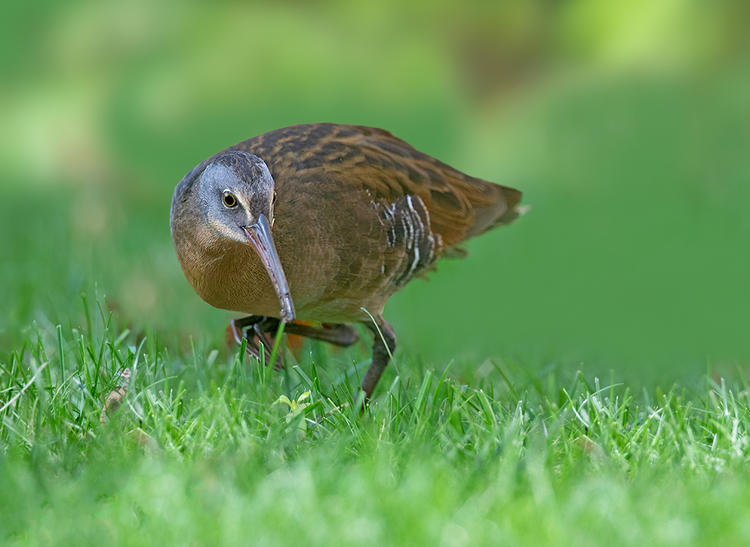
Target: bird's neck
[{"x": 227, "y": 274}]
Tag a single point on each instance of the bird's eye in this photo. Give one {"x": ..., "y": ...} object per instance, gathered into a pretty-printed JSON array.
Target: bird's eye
[{"x": 228, "y": 199}]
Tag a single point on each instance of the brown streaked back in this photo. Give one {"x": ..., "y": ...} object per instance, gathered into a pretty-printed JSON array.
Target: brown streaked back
[{"x": 460, "y": 206}]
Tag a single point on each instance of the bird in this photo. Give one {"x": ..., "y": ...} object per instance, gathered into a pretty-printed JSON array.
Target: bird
[{"x": 317, "y": 225}]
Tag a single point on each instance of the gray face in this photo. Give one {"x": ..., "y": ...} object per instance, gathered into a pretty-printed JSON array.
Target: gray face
[
  {"x": 234, "y": 190},
  {"x": 236, "y": 195}
]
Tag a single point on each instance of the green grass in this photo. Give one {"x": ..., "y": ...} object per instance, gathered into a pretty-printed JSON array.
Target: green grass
[{"x": 211, "y": 447}]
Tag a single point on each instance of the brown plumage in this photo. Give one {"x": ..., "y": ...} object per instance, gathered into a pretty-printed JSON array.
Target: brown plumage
[{"x": 356, "y": 213}]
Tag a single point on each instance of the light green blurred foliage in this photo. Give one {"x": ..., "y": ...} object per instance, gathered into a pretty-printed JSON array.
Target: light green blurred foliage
[{"x": 624, "y": 122}]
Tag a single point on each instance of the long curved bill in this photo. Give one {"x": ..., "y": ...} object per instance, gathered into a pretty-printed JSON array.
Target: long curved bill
[{"x": 259, "y": 235}]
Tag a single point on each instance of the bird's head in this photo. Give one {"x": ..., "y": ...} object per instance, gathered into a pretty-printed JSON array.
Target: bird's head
[{"x": 235, "y": 195}]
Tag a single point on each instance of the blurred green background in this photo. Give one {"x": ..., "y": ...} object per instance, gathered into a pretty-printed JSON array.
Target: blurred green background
[{"x": 625, "y": 123}]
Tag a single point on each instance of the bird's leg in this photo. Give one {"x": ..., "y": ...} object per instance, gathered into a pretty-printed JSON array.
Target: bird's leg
[
  {"x": 336, "y": 334},
  {"x": 382, "y": 349},
  {"x": 255, "y": 335},
  {"x": 384, "y": 341},
  {"x": 261, "y": 330},
  {"x": 236, "y": 326}
]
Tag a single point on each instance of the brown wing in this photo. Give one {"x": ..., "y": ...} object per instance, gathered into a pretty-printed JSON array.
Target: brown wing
[{"x": 388, "y": 168}]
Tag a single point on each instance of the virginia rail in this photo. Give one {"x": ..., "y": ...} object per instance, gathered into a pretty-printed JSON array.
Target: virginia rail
[{"x": 321, "y": 222}]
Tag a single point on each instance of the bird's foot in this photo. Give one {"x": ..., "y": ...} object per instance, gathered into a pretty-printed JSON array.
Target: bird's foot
[
  {"x": 255, "y": 329},
  {"x": 260, "y": 331}
]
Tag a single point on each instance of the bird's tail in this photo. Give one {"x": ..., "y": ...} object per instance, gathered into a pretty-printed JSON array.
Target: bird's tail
[{"x": 504, "y": 209}]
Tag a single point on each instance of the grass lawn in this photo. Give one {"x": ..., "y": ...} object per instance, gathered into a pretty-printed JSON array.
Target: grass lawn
[{"x": 213, "y": 448}]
